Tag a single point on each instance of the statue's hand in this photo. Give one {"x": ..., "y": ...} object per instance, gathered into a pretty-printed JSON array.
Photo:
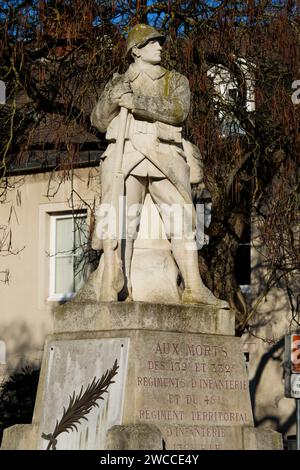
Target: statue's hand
[
  {"x": 119, "y": 90},
  {"x": 126, "y": 101}
]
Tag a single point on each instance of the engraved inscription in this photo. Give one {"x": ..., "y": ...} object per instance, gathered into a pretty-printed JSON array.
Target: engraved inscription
[
  {"x": 198, "y": 386},
  {"x": 182, "y": 437}
]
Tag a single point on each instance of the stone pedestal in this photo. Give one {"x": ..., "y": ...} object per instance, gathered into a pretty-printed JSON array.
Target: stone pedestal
[{"x": 182, "y": 381}]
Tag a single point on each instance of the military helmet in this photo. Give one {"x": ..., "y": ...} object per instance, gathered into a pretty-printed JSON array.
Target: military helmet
[{"x": 140, "y": 34}]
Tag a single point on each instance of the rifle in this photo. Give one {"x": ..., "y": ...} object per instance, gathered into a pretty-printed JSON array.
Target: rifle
[{"x": 113, "y": 278}]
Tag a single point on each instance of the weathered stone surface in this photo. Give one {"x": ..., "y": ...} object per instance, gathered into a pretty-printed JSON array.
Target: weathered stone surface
[
  {"x": 198, "y": 383},
  {"x": 175, "y": 374},
  {"x": 262, "y": 439},
  {"x": 159, "y": 266},
  {"x": 134, "y": 437},
  {"x": 72, "y": 366},
  {"x": 103, "y": 316},
  {"x": 190, "y": 386},
  {"x": 152, "y": 259},
  {"x": 20, "y": 437},
  {"x": 202, "y": 437}
]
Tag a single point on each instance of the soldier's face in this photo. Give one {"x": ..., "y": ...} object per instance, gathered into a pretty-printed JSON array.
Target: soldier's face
[{"x": 151, "y": 52}]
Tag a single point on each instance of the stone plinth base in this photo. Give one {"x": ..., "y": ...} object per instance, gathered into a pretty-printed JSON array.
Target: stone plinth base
[
  {"x": 149, "y": 437},
  {"x": 181, "y": 380},
  {"x": 107, "y": 316},
  {"x": 134, "y": 437},
  {"x": 20, "y": 437}
]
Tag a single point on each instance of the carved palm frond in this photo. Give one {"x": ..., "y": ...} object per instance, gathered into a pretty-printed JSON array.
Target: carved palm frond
[{"x": 81, "y": 405}]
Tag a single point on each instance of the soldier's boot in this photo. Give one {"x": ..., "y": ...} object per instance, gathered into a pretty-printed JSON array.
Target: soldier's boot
[{"x": 186, "y": 256}]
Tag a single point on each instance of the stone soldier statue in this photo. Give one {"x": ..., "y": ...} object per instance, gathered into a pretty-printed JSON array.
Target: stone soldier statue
[{"x": 153, "y": 161}]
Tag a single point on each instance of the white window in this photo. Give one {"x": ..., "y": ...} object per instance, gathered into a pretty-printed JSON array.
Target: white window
[{"x": 68, "y": 242}]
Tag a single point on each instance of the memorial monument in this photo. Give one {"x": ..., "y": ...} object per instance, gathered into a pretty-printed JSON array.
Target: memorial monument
[
  {"x": 182, "y": 381},
  {"x": 142, "y": 113}
]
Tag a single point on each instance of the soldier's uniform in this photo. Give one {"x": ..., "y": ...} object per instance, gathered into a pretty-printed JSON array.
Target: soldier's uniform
[
  {"x": 153, "y": 158},
  {"x": 153, "y": 149}
]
